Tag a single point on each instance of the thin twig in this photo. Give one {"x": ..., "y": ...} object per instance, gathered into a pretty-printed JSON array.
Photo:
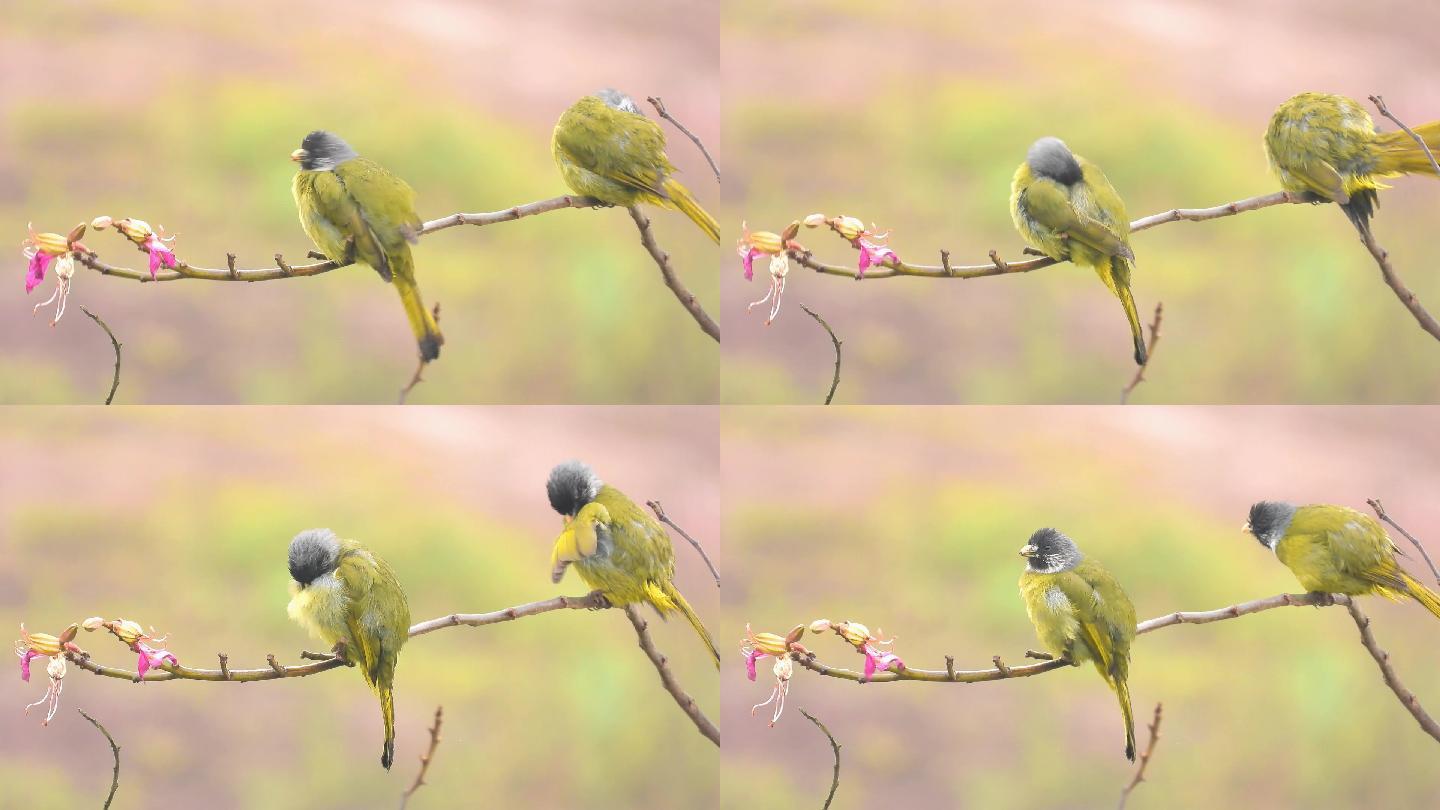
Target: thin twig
[
  {"x": 667, "y": 678},
  {"x": 659, "y": 106},
  {"x": 420, "y": 367},
  {"x": 114, "y": 383},
  {"x": 834, "y": 746},
  {"x": 1382, "y": 659},
  {"x": 672, "y": 281},
  {"x": 1144, "y": 759},
  {"x": 1380, "y": 513},
  {"x": 1380, "y": 105},
  {"x": 835, "y": 382},
  {"x": 425, "y": 759},
  {"x": 1408, "y": 298},
  {"x": 114, "y": 751},
  {"x": 1149, "y": 355},
  {"x": 282, "y": 270},
  {"x": 664, "y": 518}
]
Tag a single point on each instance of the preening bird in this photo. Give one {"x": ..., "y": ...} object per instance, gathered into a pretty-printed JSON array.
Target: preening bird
[
  {"x": 348, "y": 597},
  {"x": 1080, "y": 613},
  {"x": 618, "y": 549},
  {"x": 1334, "y": 549},
  {"x": 1065, "y": 208},
  {"x": 1325, "y": 146},
  {"x": 607, "y": 149},
  {"x": 356, "y": 211}
]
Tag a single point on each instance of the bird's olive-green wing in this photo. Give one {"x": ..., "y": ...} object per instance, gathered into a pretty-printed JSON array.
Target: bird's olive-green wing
[
  {"x": 327, "y": 209},
  {"x": 357, "y": 571},
  {"x": 619, "y": 145},
  {"x": 642, "y": 546},
  {"x": 1048, "y": 204},
  {"x": 1321, "y": 178},
  {"x": 1357, "y": 543},
  {"x": 1104, "y": 611},
  {"x": 386, "y": 202},
  {"x": 1103, "y": 203}
]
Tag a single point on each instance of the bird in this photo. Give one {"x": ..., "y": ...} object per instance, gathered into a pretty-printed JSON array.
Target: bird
[
  {"x": 1063, "y": 206},
  {"x": 607, "y": 149},
  {"x": 619, "y": 550},
  {"x": 1325, "y": 147},
  {"x": 356, "y": 211},
  {"x": 1335, "y": 549},
  {"x": 346, "y": 596},
  {"x": 1080, "y": 614}
]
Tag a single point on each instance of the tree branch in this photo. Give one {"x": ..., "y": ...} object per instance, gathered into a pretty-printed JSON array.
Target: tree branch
[
  {"x": 667, "y": 678},
  {"x": 281, "y": 269},
  {"x": 1385, "y": 111},
  {"x": 114, "y": 751},
  {"x": 1408, "y": 298},
  {"x": 425, "y": 759},
  {"x": 835, "y": 382},
  {"x": 672, "y": 281},
  {"x": 1150, "y": 355},
  {"x": 996, "y": 267},
  {"x": 834, "y": 746},
  {"x": 664, "y": 518},
  {"x": 114, "y": 383},
  {"x": 1380, "y": 513},
  {"x": 1144, "y": 759},
  {"x": 1382, "y": 660},
  {"x": 659, "y": 106}
]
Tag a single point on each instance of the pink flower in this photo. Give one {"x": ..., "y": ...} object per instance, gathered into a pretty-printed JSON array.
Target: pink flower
[
  {"x": 26, "y": 655},
  {"x": 64, "y": 272},
  {"x": 149, "y": 239},
  {"x": 880, "y": 660},
  {"x": 151, "y": 657},
  {"x": 41, "y": 249},
  {"x": 874, "y": 253},
  {"x": 159, "y": 253},
  {"x": 51, "y": 699},
  {"x": 779, "y": 270},
  {"x": 757, "y": 243},
  {"x": 36, "y": 273}
]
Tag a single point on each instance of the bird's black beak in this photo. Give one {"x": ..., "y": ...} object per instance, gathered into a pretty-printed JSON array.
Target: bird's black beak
[
  {"x": 1029, "y": 551},
  {"x": 299, "y": 155}
]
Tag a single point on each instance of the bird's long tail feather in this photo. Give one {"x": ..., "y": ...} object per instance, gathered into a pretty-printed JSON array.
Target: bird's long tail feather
[
  {"x": 1136, "y": 333},
  {"x": 422, "y": 322},
  {"x": 1400, "y": 154},
  {"x": 387, "y": 709},
  {"x": 684, "y": 607},
  {"x": 1422, "y": 594},
  {"x": 680, "y": 197},
  {"x": 1122, "y": 691}
]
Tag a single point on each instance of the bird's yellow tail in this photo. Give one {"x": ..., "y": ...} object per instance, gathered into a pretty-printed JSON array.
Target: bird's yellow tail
[
  {"x": 1122, "y": 691},
  {"x": 1422, "y": 594},
  {"x": 387, "y": 709},
  {"x": 680, "y": 198},
  {"x": 422, "y": 322},
  {"x": 684, "y": 607},
  {"x": 1400, "y": 154},
  {"x": 1128, "y": 301}
]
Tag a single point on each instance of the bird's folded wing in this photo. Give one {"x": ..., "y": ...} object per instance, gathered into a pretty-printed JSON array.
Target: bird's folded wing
[
  {"x": 1048, "y": 205},
  {"x": 386, "y": 202},
  {"x": 624, "y": 147},
  {"x": 1322, "y": 178}
]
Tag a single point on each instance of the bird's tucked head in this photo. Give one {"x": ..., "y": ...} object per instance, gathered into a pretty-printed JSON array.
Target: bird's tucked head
[
  {"x": 1050, "y": 552},
  {"x": 572, "y": 484},
  {"x": 322, "y": 151},
  {"x": 1269, "y": 520},
  {"x": 617, "y": 100},
  {"x": 1051, "y": 158},
  {"x": 313, "y": 554}
]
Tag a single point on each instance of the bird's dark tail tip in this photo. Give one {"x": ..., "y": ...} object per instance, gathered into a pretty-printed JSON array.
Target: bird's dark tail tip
[
  {"x": 1130, "y": 751},
  {"x": 430, "y": 347},
  {"x": 1361, "y": 208},
  {"x": 387, "y": 757},
  {"x": 1141, "y": 355}
]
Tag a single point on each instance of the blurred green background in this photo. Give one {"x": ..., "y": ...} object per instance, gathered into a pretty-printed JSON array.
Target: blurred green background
[
  {"x": 180, "y": 519},
  {"x": 909, "y": 519},
  {"x": 184, "y": 115},
  {"x": 915, "y": 115}
]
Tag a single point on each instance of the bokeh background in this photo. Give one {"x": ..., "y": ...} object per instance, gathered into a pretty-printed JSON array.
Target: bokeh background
[
  {"x": 909, "y": 520},
  {"x": 914, "y": 116},
  {"x": 184, "y": 115},
  {"x": 180, "y": 519}
]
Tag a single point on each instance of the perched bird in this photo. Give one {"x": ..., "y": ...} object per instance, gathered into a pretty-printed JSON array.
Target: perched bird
[
  {"x": 1080, "y": 613},
  {"x": 619, "y": 550},
  {"x": 607, "y": 149},
  {"x": 348, "y": 597},
  {"x": 1325, "y": 146},
  {"x": 1065, "y": 208},
  {"x": 356, "y": 211},
  {"x": 1334, "y": 549}
]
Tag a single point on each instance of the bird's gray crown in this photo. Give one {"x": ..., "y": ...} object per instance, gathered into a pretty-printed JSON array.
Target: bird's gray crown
[
  {"x": 1053, "y": 552},
  {"x": 1269, "y": 520},
  {"x": 1050, "y": 157},
  {"x": 324, "y": 151},
  {"x": 618, "y": 100},
  {"x": 572, "y": 484},
  {"x": 313, "y": 554}
]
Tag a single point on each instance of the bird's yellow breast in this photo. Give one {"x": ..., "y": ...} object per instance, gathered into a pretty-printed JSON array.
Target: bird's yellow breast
[{"x": 320, "y": 608}]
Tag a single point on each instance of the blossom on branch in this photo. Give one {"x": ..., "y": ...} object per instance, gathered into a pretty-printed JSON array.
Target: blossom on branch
[
  {"x": 152, "y": 241},
  {"x": 134, "y": 636},
  {"x": 44, "y": 645},
  {"x": 878, "y": 656},
  {"x": 42, "y": 248},
  {"x": 758, "y": 243}
]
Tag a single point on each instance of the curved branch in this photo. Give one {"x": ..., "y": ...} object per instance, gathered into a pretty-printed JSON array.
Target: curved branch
[
  {"x": 834, "y": 747},
  {"x": 115, "y": 753},
  {"x": 115, "y": 381},
  {"x": 281, "y": 269},
  {"x": 834, "y": 382},
  {"x": 997, "y": 267},
  {"x": 425, "y": 759},
  {"x": 667, "y": 678},
  {"x": 683, "y": 295},
  {"x": 1382, "y": 660}
]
